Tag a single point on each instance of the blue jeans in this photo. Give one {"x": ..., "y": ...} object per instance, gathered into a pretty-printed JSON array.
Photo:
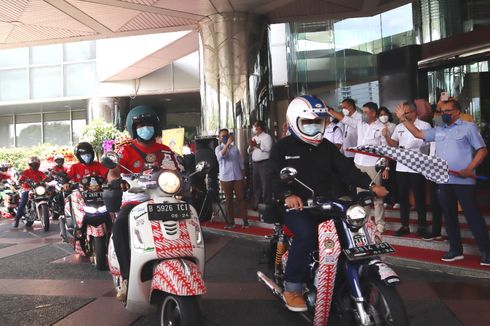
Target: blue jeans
[
  {"x": 22, "y": 205},
  {"x": 305, "y": 229},
  {"x": 449, "y": 195}
]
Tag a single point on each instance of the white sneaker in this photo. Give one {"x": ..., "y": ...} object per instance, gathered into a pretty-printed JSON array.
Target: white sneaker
[
  {"x": 123, "y": 291},
  {"x": 396, "y": 205}
]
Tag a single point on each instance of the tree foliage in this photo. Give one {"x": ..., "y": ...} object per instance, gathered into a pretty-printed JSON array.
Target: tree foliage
[{"x": 97, "y": 131}]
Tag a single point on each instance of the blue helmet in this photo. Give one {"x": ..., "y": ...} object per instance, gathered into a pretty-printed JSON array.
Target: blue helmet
[{"x": 143, "y": 115}]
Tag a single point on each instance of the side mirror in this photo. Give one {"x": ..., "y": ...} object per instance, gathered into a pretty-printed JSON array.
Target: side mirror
[
  {"x": 381, "y": 164},
  {"x": 203, "y": 166},
  {"x": 288, "y": 174},
  {"x": 110, "y": 160}
]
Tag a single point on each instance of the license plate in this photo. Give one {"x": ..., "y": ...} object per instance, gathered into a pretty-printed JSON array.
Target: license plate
[
  {"x": 168, "y": 212},
  {"x": 368, "y": 251},
  {"x": 92, "y": 195}
]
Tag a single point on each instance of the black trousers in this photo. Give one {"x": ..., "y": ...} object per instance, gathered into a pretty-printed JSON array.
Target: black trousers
[
  {"x": 120, "y": 236},
  {"x": 449, "y": 195},
  {"x": 436, "y": 209},
  {"x": 261, "y": 177},
  {"x": 416, "y": 182}
]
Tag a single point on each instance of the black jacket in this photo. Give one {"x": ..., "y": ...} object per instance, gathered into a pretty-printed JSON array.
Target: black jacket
[{"x": 315, "y": 165}]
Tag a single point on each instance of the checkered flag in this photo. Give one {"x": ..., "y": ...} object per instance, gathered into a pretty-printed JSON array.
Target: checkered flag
[{"x": 432, "y": 168}]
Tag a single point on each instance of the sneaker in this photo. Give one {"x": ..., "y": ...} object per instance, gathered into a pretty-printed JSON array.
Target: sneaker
[
  {"x": 396, "y": 205},
  {"x": 294, "y": 301},
  {"x": 229, "y": 227},
  {"x": 15, "y": 224},
  {"x": 451, "y": 256},
  {"x": 485, "y": 259},
  {"x": 404, "y": 230},
  {"x": 246, "y": 225},
  {"x": 385, "y": 205},
  {"x": 422, "y": 232},
  {"x": 122, "y": 293},
  {"x": 431, "y": 236}
]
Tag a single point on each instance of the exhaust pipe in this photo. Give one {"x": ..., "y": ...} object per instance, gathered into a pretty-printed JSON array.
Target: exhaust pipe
[{"x": 275, "y": 289}]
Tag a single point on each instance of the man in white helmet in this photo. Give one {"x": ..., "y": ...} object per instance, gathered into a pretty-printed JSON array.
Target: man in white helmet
[{"x": 316, "y": 160}]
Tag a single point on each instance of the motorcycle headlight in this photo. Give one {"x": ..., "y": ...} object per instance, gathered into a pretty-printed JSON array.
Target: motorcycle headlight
[
  {"x": 356, "y": 216},
  {"x": 40, "y": 190},
  {"x": 169, "y": 182}
]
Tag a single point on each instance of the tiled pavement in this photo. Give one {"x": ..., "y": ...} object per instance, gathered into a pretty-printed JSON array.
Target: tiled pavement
[{"x": 43, "y": 283}]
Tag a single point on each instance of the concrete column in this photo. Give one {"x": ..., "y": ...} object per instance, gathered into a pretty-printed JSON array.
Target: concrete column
[{"x": 235, "y": 75}]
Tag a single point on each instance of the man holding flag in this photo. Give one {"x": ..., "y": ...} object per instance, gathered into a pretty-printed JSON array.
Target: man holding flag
[{"x": 461, "y": 145}]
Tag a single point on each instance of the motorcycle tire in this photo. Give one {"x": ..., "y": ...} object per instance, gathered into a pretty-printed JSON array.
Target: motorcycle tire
[
  {"x": 180, "y": 311},
  {"x": 63, "y": 233},
  {"x": 99, "y": 250},
  {"x": 384, "y": 303},
  {"x": 55, "y": 216},
  {"x": 44, "y": 212}
]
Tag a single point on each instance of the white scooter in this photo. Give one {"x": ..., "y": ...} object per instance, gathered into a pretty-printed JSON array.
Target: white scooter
[{"x": 167, "y": 250}]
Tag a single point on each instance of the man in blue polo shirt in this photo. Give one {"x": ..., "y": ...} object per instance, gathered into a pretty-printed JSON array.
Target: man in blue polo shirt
[{"x": 461, "y": 145}]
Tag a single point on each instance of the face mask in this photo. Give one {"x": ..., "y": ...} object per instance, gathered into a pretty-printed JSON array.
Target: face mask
[
  {"x": 438, "y": 121},
  {"x": 365, "y": 118},
  {"x": 312, "y": 129},
  {"x": 86, "y": 158},
  {"x": 345, "y": 112},
  {"x": 383, "y": 118},
  {"x": 59, "y": 164},
  {"x": 146, "y": 132},
  {"x": 224, "y": 140},
  {"x": 446, "y": 118}
]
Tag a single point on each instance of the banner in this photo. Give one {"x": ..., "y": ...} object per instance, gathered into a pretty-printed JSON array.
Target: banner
[{"x": 174, "y": 138}]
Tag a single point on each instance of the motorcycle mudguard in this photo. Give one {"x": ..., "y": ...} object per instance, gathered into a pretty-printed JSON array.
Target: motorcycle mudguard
[
  {"x": 177, "y": 276},
  {"x": 383, "y": 272},
  {"x": 96, "y": 231},
  {"x": 329, "y": 251}
]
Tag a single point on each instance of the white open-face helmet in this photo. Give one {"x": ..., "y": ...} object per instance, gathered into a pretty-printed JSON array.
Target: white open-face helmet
[{"x": 307, "y": 107}]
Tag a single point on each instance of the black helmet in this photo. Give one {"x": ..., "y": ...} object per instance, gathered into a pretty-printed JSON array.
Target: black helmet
[
  {"x": 84, "y": 148},
  {"x": 34, "y": 162},
  {"x": 4, "y": 166},
  {"x": 143, "y": 115}
]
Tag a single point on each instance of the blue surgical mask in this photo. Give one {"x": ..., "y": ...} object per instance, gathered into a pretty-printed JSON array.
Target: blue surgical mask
[
  {"x": 446, "y": 118},
  {"x": 86, "y": 158},
  {"x": 224, "y": 140},
  {"x": 312, "y": 129},
  {"x": 146, "y": 132}
]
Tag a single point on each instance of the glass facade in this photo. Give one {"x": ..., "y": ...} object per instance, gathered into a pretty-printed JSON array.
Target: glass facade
[
  {"x": 50, "y": 71},
  {"x": 333, "y": 59},
  {"x": 57, "y": 128},
  {"x": 337, "y": 59}
]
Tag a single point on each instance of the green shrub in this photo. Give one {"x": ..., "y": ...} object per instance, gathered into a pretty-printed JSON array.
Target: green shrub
[
  {"x": 18, "y": 157},
  {"x": 97, "y": 131}
]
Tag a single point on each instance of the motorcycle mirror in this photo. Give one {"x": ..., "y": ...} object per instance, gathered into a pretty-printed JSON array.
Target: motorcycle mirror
[
  {"x": 202, "y": 166},
  {"x": 110, "y": 160},
  {"x": 288, "y": 174},
  {"x": 381, "y": 164}
]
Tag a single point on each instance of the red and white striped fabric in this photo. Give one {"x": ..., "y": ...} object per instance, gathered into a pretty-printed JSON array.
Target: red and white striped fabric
[
  {"x": 329, "y": 252},
  {"x": 178, "y": 276},
  {"x": 171, "y": 248}
]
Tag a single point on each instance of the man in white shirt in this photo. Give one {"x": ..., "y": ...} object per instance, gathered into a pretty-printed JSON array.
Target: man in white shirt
[
  {"x": 333, "y": 133},
  {"x": 368, "y": 133},
  {"x": 260, "y": 148},
  {"x": 350, "y": 133},
  {"x": 407, "y": 178}
]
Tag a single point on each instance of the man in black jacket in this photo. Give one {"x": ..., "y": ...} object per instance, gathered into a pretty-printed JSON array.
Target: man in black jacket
[{"x": 316, "y": 160}]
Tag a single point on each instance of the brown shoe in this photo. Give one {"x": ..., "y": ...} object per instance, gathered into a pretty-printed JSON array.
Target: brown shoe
[{"x": 294, "y": 301}]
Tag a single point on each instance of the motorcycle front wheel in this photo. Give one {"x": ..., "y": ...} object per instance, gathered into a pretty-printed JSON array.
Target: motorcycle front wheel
[
  {"x": 383, "y": 303},
  {"x": 99, "y": 250},
  {"x": 44, "y": 216},
  {"x": 180, "y": 311}
]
